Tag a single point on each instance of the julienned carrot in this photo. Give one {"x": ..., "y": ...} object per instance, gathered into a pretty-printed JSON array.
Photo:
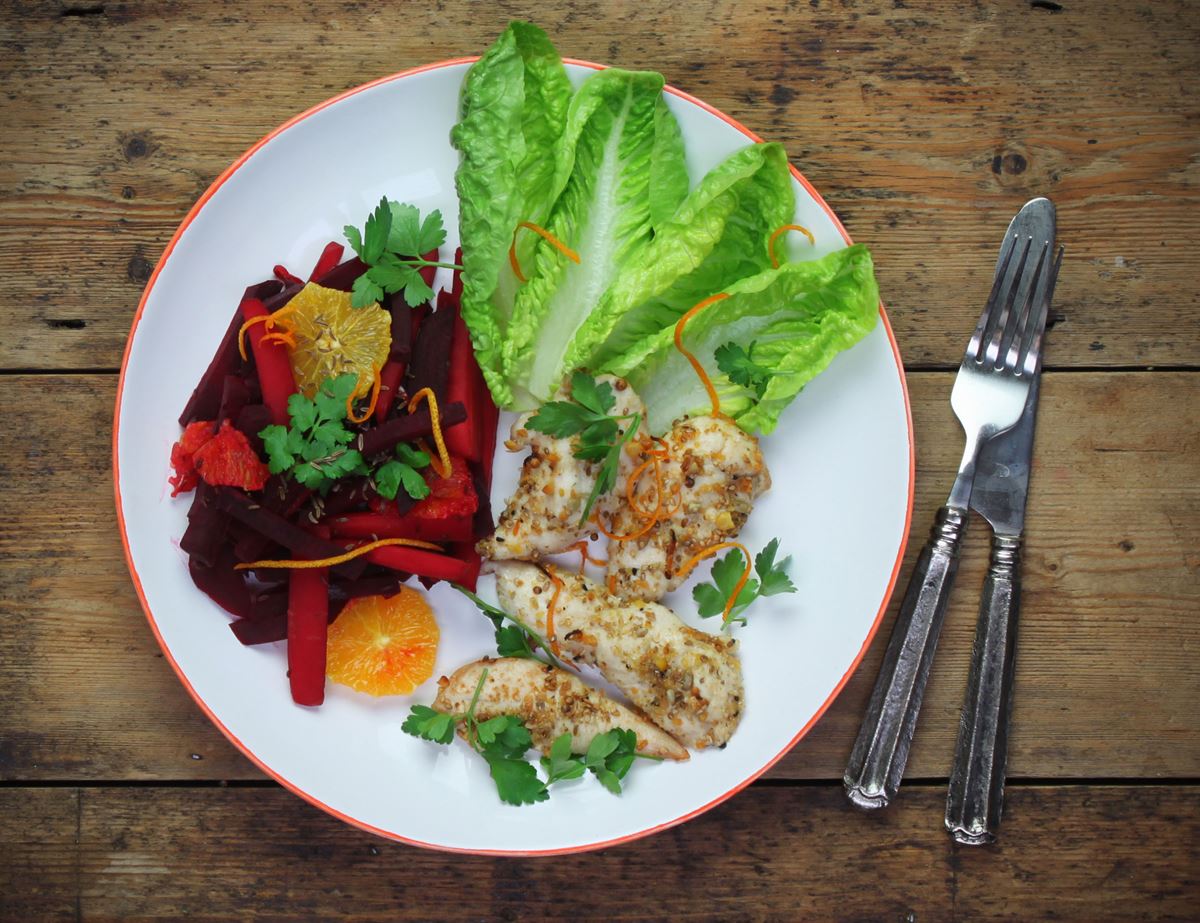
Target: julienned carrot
[
  {"x": 465, "y": 552},
  {"x": 327, "y": 260},
  {"x": 389, "y": 525},
  {"x": 286, "y": 277},
  {"x": 271, "y": 362},
  {"x": 425, "y": 564},
  {"x": 308, "y": 623}
]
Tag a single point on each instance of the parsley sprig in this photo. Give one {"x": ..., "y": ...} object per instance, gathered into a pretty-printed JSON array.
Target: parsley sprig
[
  {"x": 711, "y": 598},
  {"x": 516, "y": 639},
  {"x": 739, "y": 367},
  {"x": 391, "y": 243},
  {"x": 504, "y": 740},
  {"x": 316, "y": 447},
  {"x": 587, "y": 416}
]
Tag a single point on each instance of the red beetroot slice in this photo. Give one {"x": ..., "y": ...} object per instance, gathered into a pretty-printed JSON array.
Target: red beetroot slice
[
  {"x": 308, "y": 623},
  {"x": 228, "y": 460},
  {"x": 390, "y": 525}
]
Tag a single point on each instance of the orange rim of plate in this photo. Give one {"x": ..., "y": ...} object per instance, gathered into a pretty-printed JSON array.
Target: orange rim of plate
[{"x": 276, "y": 775}]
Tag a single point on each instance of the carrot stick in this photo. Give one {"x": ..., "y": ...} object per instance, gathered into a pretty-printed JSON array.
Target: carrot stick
[
  {"x": 272, "y": 363},
  {"x": 327, "y": 260},
  {"x": 308, "y": 624}
]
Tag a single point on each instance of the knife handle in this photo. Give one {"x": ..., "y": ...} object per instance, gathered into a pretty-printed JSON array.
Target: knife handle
[
  {"x": 881, "y": 750},
  {"x": 976, "y": 797}
]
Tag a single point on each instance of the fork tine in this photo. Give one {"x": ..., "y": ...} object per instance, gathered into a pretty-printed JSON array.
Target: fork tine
[
  {"x": 999, "y": 319},
  {"x": 1031, "y": 340},
  {"x": 1006, "y": 252},
  {"x": 1024, "y": 311}
]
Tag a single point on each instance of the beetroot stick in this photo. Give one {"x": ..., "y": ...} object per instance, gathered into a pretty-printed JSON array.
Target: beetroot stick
[
  {"x": 307, "y": 630},
  {"x": 327, "y": 260}
]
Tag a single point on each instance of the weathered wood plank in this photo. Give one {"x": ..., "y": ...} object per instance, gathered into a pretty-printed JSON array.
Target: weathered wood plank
[
  {"x": 1108, "y": 670},
  {"x": 772, "y": 853},
  {"x": 919, "y": 122}
]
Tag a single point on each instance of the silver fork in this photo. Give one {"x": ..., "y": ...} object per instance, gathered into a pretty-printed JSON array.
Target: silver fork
[{"x": 988, "y": 397}]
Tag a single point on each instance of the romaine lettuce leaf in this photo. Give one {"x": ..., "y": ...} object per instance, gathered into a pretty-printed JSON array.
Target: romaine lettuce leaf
[
  {"x": 718, "y": 235},
  {"x": 620, "y": 165},
  {"x": 797, "y": 317},
  {"x": 512, "y": 114}
]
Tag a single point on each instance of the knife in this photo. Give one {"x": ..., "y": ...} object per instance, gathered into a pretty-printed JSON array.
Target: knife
[{"x": 975, "y": 800}]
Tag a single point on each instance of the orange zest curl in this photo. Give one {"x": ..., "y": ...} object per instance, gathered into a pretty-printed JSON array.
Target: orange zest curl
[
  {"x": 270, "y": 320},
  {"x": 546, "y": 236},
  {"x": 376, "y": 386},
  {"x": 779, "y": 232},
  {"x": 585, "y": 558},
  {"x": 427, "y": 395},
  {"x": 338, "y": 559},
  {"x": 551, "y": 636},
  {"x": 699, "y": 369},
  {"x": 708, "y": 553}
]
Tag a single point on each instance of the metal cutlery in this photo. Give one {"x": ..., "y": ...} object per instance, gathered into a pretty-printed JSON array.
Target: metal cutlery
[
  {"x": 990, "y": 393},
  {"x": 975, "y": 800}
]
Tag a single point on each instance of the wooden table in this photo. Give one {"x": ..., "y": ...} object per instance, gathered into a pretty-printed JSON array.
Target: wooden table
[{"x": 925, "y": 125}]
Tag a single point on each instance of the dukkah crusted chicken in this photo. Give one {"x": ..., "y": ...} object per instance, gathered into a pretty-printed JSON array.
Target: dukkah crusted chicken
[
  {"x": 551, "y": 702},
  {"x": 686, "y": 681},
  {"x": 711, "y": 475},
  {"x": 542, "y": 515}
]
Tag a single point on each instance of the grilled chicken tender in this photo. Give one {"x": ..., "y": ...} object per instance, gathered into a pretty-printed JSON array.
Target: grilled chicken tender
[
  {"x": 686, "y": 681},
  {"x": 542, "y": 515},
  {"x": 551, "y": 702},
  {"x": 713, "y": 474}
]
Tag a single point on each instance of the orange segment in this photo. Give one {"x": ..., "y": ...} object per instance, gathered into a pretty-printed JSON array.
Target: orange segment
[
  {"x": 332, "y": 338},
  {"x": 383, "y": 646}
]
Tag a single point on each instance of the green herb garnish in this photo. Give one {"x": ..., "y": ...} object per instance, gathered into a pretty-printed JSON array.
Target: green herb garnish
[
  {"x": 516, "y": 639},
  {"x": 587, "y": 416},
  {"x": 712, "y": 598},
  {"x": 739, "y": 367},
  {"x": 314, "y": 448},
  {"x": 391, "y": 244},
  {"x": 402, "y": 471}
]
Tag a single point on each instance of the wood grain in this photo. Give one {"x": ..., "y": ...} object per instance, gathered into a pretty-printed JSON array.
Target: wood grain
[
  {"x": 784, "y": 853},
  {"x": 1108, "y": 671},
  {"x": 924, "y": 124}
]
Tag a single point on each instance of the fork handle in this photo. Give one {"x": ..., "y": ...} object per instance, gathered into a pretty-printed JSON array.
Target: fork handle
[
  {"x": 881, "y": 750},
  {"x": 976, "y": 797}
]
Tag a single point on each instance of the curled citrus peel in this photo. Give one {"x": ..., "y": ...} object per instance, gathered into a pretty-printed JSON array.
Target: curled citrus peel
[
  {"x": 376, "y": 386},
  {"x": 546, "y": 236},
  {"x": 435, "y": 423},
  {"x": 584, "y": 558},
  {"x": 779, "y": 232},
  {"x": 699, "y": 369},
  {"x": 708, "y": 553},
  {"x": 270, "y": 320},
  {"x": 551, "y": 635},
  {"x": 350, "y": 555}
]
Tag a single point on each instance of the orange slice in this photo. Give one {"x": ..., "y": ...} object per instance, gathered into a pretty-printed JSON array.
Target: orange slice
[
  {"x": 332, "y": 338},
  {"x": 383, "y": 646}
]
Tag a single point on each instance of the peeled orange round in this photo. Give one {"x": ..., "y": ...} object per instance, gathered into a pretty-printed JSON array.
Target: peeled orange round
[
  {"x": 383, "y": 646},
  {"x": 332, "y": 338}
]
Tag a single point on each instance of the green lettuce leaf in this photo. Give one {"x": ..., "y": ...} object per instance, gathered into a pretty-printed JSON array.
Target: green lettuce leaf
[
  {"x": 718, "y": 235},
  {"x": 797, "y": 317},
  {"x": 620, "y": 164},
  {"x": 512, "y": 114}
]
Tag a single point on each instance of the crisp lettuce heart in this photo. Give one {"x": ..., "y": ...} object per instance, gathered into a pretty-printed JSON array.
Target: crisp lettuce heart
[
  {"x": 621, "y": 169},
  {"x": 792, "y": 321},
  {"x": 513, "y": 112}
]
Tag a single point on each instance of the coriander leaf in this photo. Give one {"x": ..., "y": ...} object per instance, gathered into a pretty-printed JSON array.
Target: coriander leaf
[
  {"x": 308, "y": 475},
  {"x": 392, "y": 475},
  {"x": 516, "y": 781},
  {"x": 512, "y": 740},
  {"x": 773, "y": 577},
  {"x": 511, "y": 641},
  {"x": 606, "y": 477},
  {"x": 275, "y": 441},
  {"x": 375, "y": 236},
  {"x": 433, "y": 232},
  {"x": 414, "y": 484},
  {"x": 595, "y": 396},
  {"x": 739, "y": 366},
  {"x": 558, "y": 762},
  {"x": 559, "y": 419},
  {"x": 339, "y": 466},
  {"x": 608, "y": 779},
  {"x": 365, "y": 292},
  {"x": 709, "y": 600},
  {"x": 392, "y": 275},
  {"x": 301, "y": 411},
  {"x": 417, "y": 291},
  {"x": 600, "y": 747},
  {"x": 355, "y": 239},
  {"x": 726, "y": 572},
  {"x": 410, "y": 236},
  {"x": 487, "y": 731},
  {"x": 428, "y": 724},
  {"x": 410, "y": 456},
  {"x": 331, "y": 397}
]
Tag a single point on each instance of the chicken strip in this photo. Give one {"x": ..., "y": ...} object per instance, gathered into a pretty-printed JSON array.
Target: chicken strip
[
  {"x": 713, "y": 472},
  {"x": 542, "y": 515},
  {"x": 686, "y": 681},
  {"x": 551, "y": 702}
]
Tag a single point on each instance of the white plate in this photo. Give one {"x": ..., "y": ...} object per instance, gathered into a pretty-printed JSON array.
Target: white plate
[{"x": 842, "y": 463}]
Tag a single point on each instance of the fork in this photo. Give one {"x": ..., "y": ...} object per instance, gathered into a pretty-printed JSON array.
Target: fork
[{"x": 988, "y": 398}]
